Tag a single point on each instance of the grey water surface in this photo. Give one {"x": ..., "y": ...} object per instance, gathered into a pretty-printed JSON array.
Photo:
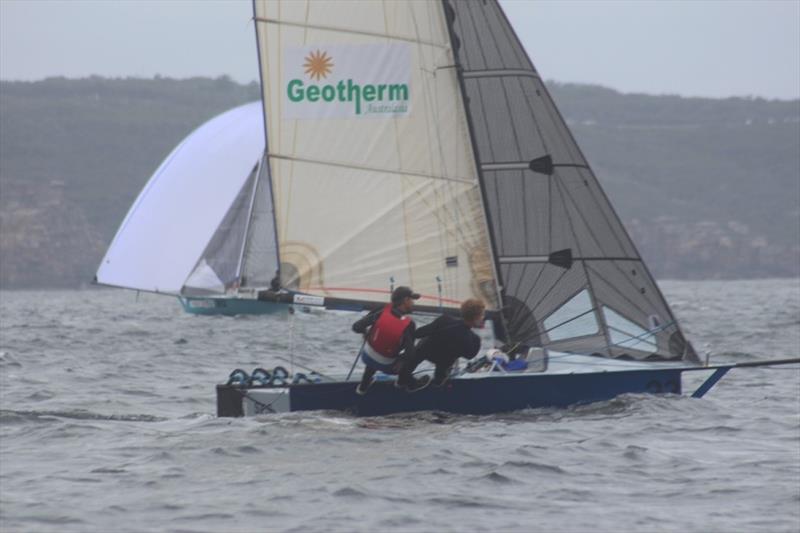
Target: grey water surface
[{"x": 107, "y": 424}]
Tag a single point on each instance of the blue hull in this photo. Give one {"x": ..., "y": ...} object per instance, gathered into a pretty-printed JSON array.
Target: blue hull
[
  {"x": 230, "y": 306},
  {"x": 483, "y": 395}
]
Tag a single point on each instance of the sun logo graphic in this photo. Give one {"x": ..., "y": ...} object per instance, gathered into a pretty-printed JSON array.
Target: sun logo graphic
[{"x": 318, "y": 65}]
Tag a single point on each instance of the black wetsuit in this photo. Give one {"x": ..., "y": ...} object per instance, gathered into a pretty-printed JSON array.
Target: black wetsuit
[{"x": 443, "y": 341}]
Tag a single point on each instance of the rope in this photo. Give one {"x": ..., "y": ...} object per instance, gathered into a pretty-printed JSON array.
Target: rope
[
  {"x": 279, "y": 377},
  {"x": 261, "y": 405},
  {"x": 291, "y": 341}
]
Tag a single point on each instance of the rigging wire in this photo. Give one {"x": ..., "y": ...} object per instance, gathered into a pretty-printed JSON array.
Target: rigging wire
[{"x": 291, "y": 339}]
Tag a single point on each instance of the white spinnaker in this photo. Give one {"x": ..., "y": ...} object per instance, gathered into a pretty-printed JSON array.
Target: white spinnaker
[
  {"x": 167, "y": 229},
  {"x": 366, "y": 195}
]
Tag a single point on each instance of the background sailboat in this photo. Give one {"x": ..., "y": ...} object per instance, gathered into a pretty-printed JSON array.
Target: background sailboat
[{"x": 201, "y": 229}]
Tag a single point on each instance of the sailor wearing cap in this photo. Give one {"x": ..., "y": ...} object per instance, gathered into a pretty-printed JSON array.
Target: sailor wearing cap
[{"x": 389, "y": 332}]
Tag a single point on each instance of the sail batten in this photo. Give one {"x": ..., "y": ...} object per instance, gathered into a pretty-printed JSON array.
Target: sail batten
[
  {"x": 354, "y": 166},
  {"x": 349, "y": 31},
  {"x": 499, "y": 73},
  {"x": 548, "y": 259}
]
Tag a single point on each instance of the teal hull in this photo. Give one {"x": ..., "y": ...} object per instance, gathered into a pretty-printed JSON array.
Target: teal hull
[{"x": 230, "y": 306}]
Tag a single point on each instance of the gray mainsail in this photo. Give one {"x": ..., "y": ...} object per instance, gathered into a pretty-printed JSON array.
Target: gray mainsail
[
  {"x": 242, "y": 254},
  {"x": 218, "y": 268},
  {"x": 260, "y": 253},
  {"x": 572, "y": 278}
]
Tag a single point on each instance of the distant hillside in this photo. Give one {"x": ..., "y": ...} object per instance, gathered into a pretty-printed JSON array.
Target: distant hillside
[
  {"x": 708, "y": 188},
  {"x": 73, "y": 156}
]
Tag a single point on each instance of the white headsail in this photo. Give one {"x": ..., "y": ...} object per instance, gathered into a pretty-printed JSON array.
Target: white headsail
[
  {"x": 373, "y": 174},
  {"x": 381, "y": 171}
]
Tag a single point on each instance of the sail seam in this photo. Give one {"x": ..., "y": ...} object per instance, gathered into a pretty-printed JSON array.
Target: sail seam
[
  {"x": 527, "y": 98},
  {"x": 519, "y": 53},
  {"x": 599, "y": 206},
  {"x": 648, "y": 295},
  {"x": 295, "y": 128},
  {"x": 399, "y": 155},
  {"x": 474, "y": 29},
  {"x": 499, "y": 240},
  {"x": 611, "y": 288},
  {"x": 592, "y": 295},
  {"x": 580, "y": 211},
  {"x": 574, "y": 318},
  {"x": 530, "y": 291},
  {"x": 351, "y": 31},
  {"x": 568, "y": 216},
  {"x": 546, "y": 294},
  {"x": 591, "y": 233},
  {"x": 369, "y": 169}
]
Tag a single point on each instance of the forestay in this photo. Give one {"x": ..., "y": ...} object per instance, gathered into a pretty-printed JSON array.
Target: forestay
[
  {"x": 373, "y": 176},
  {"x": 203, "y": 224},
  {"x": 573, "y": 280}
]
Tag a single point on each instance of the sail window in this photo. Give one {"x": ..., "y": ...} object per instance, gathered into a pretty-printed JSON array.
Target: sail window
[
  {"x": 573, "y": 319},
  {"x": 625, "y": 333}
]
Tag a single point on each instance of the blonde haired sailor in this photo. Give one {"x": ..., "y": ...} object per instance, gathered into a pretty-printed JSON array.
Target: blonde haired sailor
[{"x": 445, "y": 340}]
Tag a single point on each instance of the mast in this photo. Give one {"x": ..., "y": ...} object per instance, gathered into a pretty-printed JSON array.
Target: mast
[
  {"x": 449, "y": 18},
  {"x": 265, "y": 160}
]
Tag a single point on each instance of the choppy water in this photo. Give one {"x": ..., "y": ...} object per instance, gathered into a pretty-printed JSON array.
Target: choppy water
[{"x": 107, "y": 424}]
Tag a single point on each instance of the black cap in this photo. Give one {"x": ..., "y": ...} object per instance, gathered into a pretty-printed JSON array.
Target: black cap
[{"x": 403, "y": 292}]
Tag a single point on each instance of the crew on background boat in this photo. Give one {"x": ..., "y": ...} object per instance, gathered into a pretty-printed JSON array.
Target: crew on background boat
[
  {"x": 445, "y": 340},
  {"x": 389, "y": 338}
]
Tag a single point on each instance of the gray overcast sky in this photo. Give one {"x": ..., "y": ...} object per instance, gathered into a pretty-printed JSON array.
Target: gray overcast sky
[{"x": 694, "y": 48}]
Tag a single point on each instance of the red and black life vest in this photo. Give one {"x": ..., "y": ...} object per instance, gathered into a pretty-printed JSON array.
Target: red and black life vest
[{"x": 387, "y": 333}]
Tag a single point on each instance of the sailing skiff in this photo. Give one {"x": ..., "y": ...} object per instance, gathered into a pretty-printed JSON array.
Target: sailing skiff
[{"x": 428, "y": 119}]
